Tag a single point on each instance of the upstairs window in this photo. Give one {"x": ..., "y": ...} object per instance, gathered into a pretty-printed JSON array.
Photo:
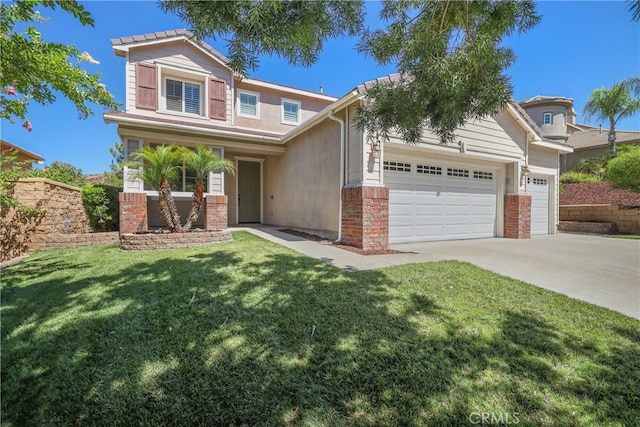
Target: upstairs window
[
  {"x": 249, "y": 104},
  {"x": 546, "y": 119},
  {"x": 183, "y": 97},
  {"x": 290, "y": 112}
]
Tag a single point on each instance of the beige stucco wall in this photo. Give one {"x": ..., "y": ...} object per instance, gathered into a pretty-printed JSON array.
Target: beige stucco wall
[
  {"x": 302, "y": 188},
  {"x": 557, "y": 128},
  {"x": 576, "y": 156},
  {"x": 184, "y": 207},
  {"x": 270, "y": 108}
]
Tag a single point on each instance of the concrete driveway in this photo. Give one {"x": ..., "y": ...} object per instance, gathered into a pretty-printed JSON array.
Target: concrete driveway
[{"x": 598, "y": 269}]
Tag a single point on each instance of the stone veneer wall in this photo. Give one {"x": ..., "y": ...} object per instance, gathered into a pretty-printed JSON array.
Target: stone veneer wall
[
  {"x": 63, "y": 214},
  {"x": 155, "y": 241},
  {"x": 365, "y": 217},
  {"x": 517, "y": 216},
  {"x": 627, "y": 220}
]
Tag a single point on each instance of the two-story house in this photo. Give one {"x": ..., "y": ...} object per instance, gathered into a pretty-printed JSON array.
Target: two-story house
[
  {"x": 556, "y": 118},
  {"x": 302, "y": 163}
]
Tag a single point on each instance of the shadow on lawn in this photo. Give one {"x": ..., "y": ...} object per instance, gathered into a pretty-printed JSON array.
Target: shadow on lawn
[{"x": 277, "y": 339}]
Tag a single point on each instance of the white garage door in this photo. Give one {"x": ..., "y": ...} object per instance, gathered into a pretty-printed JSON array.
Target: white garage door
[
  {"x": 439, "y": 202},
  {"x": 538, "y": 187}
]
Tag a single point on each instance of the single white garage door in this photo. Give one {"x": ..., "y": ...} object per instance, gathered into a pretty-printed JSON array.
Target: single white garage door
[
  {"x": 538, "y": 187},
  {"x": 439, "y": 202}
]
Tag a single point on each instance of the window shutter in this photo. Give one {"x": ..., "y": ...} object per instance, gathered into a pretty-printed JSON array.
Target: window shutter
[
  {"x": 146, "y": 86},
  {"x": 217, "y": 99}
]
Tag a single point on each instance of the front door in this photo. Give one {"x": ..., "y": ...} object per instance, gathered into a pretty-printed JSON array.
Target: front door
[{"x": 248, "y": 191}]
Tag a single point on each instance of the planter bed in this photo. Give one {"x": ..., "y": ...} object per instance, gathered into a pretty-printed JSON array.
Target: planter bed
[{"x": 152, "y": 241}]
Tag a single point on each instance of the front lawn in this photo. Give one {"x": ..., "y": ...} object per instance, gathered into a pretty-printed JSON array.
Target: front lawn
[{"x": 250, "y": 333}]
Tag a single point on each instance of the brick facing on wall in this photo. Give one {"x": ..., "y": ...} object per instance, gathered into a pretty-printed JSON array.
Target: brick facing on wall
[
  {"x": 365, "y": 217},
  {"x": 133, "y": 213},
  {"x": 517, "y": 216},
  {"x": 216, "y": 211}
]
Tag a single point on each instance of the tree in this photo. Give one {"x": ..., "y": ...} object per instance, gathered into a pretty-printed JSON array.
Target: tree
[
  {"x": 623, "y": 171},
  {"x": 63, "y": 172},
  {"x": 157, "y": 168},
  {"x": 33, "y": 70},
  {"x": 448, "y": 53},
  {"x": 295, "y": 30},
  {"x": 200, "y": 162},
  {"x": 117, "y": 163},
  {"x": 634, "y": 8},
  {"x": 620, "y": 101}
]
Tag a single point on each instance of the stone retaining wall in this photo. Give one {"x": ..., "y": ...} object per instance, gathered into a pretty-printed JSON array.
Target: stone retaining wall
[
  {"x": 587, "y": 227},
  {"x": 58, "y": 240},
  {"x": 62, "y": 213},
  {"x": 153, "y": 241},
  {"x": 627, "y": 220}
]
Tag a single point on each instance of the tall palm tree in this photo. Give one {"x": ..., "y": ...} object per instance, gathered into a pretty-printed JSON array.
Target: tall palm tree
[
  {"x": 158, "y": 167},
  {"x": 200, "y": 162},
  {"x": 620, "y": 101}
]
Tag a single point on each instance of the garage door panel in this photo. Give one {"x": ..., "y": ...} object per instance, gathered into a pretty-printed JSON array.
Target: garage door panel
[
  {"x": 538, "y": 187},
  {"x": 441, "y": 207}
]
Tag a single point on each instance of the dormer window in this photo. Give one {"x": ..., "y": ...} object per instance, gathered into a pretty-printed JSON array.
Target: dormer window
[
  {"x": 546, "y": 119},
  {"x": 183, "y": 97}
]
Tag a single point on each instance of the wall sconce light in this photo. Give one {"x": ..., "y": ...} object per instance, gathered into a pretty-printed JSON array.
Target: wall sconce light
[
  {"x": 463, "y": 148},
  {"x": 375, "y": 149},
  {"x": 525, "y": 170}
]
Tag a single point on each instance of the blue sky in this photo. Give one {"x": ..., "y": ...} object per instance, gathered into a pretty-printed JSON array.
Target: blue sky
[{"x": 578, "y": 46}]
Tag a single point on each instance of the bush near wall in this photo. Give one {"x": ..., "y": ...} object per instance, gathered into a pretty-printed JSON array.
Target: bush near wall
[{"x": 100, "y": 201}]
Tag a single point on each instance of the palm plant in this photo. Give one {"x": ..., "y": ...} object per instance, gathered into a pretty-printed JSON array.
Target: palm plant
[
  {"x": 158, "y": 167},
  {"x": 618, "y": 102},
  {"x": 200, "y": 162}
]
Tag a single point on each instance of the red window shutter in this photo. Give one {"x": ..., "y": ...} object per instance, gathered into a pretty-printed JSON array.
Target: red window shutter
[
  {"x": 146, "y": 86},
  {"x": 217, "y": 99}
]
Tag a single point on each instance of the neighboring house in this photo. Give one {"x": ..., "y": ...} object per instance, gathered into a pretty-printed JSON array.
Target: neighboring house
[
  {"x": 302, "y": 163},
  {"x": 556, "y": 118},
  {"x": 595, "y": 143},
  {"x": 24, "y": 157}
]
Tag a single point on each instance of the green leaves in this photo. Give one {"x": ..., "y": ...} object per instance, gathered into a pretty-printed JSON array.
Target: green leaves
[
  {"x": 294, "y": 30},
  {"x": 449, "y": 51},
  {"x": 36, "y": 70},
  {"x": 452, "y": 62}
]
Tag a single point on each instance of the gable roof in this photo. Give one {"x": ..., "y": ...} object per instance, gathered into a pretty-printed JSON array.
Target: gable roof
[
  {"x": 122, "y": 44},
  {"x": 597, "y": 138},
  {"x": 7, "y": 147}
]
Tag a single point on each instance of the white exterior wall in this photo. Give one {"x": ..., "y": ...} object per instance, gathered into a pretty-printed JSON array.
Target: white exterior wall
[{"x": 354, "y": 151}]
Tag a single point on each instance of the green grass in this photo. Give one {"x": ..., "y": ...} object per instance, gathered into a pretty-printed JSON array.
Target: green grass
[
  {"x": 626, "y": 236},
  {"x": 96, "y": 336}
]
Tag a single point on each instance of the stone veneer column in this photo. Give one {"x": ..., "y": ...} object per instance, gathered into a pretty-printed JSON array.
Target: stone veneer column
[
  {"x": 216, "y": 212},
  {"x": 365, "y": 217},
  {"x": 133, "y": 212},
  {"x": 517, "y": 216}
]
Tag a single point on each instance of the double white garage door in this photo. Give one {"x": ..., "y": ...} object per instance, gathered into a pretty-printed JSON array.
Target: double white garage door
[{"x": 447, "y": 202}]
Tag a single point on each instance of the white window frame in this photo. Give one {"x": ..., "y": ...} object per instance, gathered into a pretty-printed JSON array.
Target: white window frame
[
  {"x": 164, "y": 98},
  {"x": 250, "y": 93},
  {"x": 282, "y": 116},
  {"x": 544, "y": 118}
]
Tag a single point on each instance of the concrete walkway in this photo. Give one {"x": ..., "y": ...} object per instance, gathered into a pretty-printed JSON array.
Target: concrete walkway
[{"x": 597, "y": 269}]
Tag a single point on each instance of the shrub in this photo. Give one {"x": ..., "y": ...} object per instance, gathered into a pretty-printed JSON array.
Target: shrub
[
  {"x": 623, "y": 171},
  {"x": 101, "y": 204},
  {"x": 591, "y": 166},
  {"x": 65, "y": 173},
  {"x": 578, "y": 177}
]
